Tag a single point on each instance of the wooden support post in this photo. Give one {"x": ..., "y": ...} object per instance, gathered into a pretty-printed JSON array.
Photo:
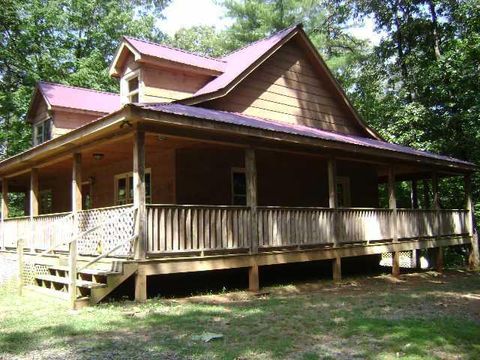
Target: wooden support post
[
  {"x": 426, "y": 194},
  {"x": 473, "y": 261},
  {"x": 436, "y": 195},
  {"x": 392, "y": 204},
  {"x": 76, "y": 207},
  {"x": 396, "y": 264},
  {"x": 139, "y": 198},
  {"x": 337, "y": 269},
  {"x": 439, "y": 259},
  {"x": 4, "y": 213},
  {"x": 20, "y": 244},
  {"x": 414, "y": 194},
  {"x": 140, "y": 285},
  {"x": 333, "y": 199},
  {"x": 33, "y": 205},
  {"x": 253, "y": 278},
  {"x": 251, "y": 180}
]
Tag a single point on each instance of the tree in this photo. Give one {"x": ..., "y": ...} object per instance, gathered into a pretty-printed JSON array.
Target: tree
[
  {"x": 67, "y": 41},
  {"x": 201, "y": 40}
]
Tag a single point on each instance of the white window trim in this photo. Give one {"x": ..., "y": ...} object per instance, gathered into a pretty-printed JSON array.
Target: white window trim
[
  {"x": 126, "y": 175},
  {"x": 345, "y": 182},
  {"x": 232, "y": 171},
  {"x": 126, "y": 94}
]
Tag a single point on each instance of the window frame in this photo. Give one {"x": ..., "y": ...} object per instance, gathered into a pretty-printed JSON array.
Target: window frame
[
  {"x": 39, "y": 136},
  {"x": 127, "y": 93},
  {"x": 127, "y": 176},
  {"x": 237, "y": 170}
]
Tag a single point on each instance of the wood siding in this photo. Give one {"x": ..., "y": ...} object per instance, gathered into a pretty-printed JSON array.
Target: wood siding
[
  {"x": 204, "y": 177},
  {"x": 162, "y": 85},
  {"x": 65, "y": 121},
  {"x": 287, "y": 88}
]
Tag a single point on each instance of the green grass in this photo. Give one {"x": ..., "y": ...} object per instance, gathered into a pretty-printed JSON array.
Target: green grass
[{"x": 422, "y": 317}]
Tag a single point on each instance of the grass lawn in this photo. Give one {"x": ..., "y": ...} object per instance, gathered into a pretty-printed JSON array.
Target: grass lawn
[{"x": 420, "y": 316}]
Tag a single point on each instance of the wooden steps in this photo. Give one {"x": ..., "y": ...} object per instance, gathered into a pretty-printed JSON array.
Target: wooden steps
[
  {"x": 65, "y": 281},
  {"x": 92, "y": 284}
]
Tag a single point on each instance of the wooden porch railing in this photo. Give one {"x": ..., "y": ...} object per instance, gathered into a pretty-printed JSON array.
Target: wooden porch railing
[
  {"x": 183, "y": 228},
  {"x": 196, "y": 228},
  {"x": 108, "y": 226}
]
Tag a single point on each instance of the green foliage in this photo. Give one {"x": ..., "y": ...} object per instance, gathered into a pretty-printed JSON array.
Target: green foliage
[{"x": 201, "y": 40}]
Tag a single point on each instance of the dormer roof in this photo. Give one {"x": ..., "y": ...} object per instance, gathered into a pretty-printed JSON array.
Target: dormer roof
[
  {"x": 74, "y": 98},
  {"x": 162, "y": 55}
]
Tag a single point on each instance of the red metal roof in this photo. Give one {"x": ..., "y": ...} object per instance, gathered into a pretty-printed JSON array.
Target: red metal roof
[
  {"x": 79, "y": 98},
  {"x": 176, "y": 55},
  {"x": 239, "y": 60},
  {"x": 259, "y": 123}
]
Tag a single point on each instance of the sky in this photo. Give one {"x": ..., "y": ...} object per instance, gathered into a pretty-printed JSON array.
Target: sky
[{"x": 186, "y": 13}]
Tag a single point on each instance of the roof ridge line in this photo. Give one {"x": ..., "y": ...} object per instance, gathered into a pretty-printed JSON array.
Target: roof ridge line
[
  {"x": 262, "y": 39},
  {"x": 78, "y": 87},
  {"x": 220, "y": 60}
]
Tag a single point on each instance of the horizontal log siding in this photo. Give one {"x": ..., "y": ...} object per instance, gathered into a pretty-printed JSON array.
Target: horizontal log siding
[{"x": 177, "y": 228}]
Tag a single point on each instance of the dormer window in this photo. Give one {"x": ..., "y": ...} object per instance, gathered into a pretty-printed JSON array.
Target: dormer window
[
  {"x": 42, "y": 132},
  {"x": 130, "y": 87},
  {"x": 133, "y": 89}
]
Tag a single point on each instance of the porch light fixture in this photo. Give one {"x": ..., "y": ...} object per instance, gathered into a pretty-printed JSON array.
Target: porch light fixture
[{"x": 98, "y": 156}]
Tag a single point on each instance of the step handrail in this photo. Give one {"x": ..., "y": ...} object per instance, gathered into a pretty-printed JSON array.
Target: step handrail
[{"x": 88, "y": 231}]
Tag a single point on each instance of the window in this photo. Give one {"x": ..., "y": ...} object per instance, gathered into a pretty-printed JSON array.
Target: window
[
  {"x": 131, "y": 88},
  {"x": 46, "y": 201},
  {"x": 343, "y": 191},
  {"x": 239, "y": 187},
  {"x": 124, "y": 188},
  {"x": 42, "y": 132}
]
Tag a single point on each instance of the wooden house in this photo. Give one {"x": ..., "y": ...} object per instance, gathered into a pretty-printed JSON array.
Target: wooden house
[{"x": 252, "y": 159}]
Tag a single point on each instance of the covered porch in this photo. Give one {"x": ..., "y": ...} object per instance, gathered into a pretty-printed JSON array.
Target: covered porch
[
  {"x": 189, "y": 198},
  {"x": 195, "y": 197}
]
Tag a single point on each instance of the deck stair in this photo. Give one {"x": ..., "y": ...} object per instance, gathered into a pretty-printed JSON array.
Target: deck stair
[{"x": 93, "y": 284}]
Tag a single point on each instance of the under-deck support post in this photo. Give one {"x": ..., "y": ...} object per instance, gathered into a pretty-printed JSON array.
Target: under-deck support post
[
  {"x": 76, "y": 207},
  {"x": 139, "y": 192},
  {"x": 253, "y": 278},
  {"x": 251, "y": 182},
  {"x": 33, "y": 205},
  {"x": 439, "y": 259},
  {"x": 473, "y": 260},
  {"x": 392, "y": 204},
  {"x": 140, "y": 285},
  {"x": 337, "y": 269},
  {"x": 4, "y": 213}
]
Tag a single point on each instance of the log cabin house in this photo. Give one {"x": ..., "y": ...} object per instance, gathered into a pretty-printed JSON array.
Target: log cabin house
[{"x": 252, "y": 159}]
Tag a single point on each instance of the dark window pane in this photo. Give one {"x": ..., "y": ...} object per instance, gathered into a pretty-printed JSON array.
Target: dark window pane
[
  {"x": 122, "y": 191},
  {"x": 148, "y": 189},
  {"x": 239, "y": 183},
  {"x": 47, "y": 130},
  {"x": 133, "y": 84},
  {"x": 134, "y": 98}
]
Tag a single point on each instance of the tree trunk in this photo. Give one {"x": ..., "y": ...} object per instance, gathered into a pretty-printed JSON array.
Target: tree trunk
[{"x": 436, "y": 36}]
